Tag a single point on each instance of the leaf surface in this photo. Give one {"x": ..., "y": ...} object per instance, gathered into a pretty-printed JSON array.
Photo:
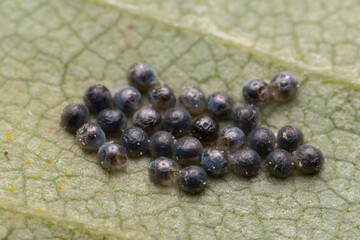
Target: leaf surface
[{"x": 51, "y": 51}]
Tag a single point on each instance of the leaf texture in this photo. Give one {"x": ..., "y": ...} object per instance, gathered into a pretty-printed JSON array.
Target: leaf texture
[{"x": 50, "y": 51}]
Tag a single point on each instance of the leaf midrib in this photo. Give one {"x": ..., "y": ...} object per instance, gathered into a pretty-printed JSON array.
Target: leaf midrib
[
  {"x": 237, "y": 43},
  {"x": 63, "y": 221}
]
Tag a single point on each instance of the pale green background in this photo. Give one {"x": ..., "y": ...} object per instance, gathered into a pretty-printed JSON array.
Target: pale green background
[{"x": 51, "y": 50}]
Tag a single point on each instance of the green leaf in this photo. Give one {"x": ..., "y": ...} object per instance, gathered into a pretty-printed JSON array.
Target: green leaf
[{"x": 50, "y": 51}]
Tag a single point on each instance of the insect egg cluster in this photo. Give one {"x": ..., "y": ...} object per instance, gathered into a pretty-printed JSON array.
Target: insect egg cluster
[{"x": 189, "y": 135}]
